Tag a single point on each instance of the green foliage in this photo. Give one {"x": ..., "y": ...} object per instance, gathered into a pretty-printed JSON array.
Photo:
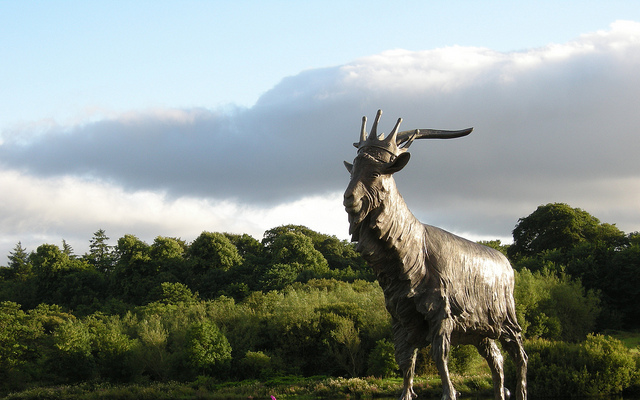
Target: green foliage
[
  {"x": 164, "y": 249},
  {"x": 208, "y": 350},
  {"x": 554, "y": 307},
  {"x": 342, "y": 260},
  {"x": 18, "y": 350},
  {"x": 19, "y": 264},
  {"x": 495, "y": 244},
  {"x": 599, "y": 366},
  {"x": 553, "y": 226},
  {"x": 297, "y": 251},
  {"x": 382, "y": 361},
  {"x": 71, "y": 357},
  {"x": 559, "y": 239},
  {"x": 462, "y": 358},
  {"x": 279, "y": 276},
  {"x": 174, "y": 293},
  {"x": 101, "y": 254},
  {"x": 214, "y": 250},
  {"x": 344, "y": 343},
  {"x": 299, "y": 302},
  {"x": 112, "y": 348},
  {"x": 135, "y": 274},
  {"x": 152, "y": 355},
  {"x": 617, "y": 280},
  {"x": 256, "y": 364}
]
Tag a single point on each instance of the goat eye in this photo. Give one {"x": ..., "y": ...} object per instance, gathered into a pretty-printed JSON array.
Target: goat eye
[{"x": 375, "y": 175}]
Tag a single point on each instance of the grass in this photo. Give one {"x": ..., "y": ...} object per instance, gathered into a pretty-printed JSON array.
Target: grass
[
  {"x": 474, "y": 383},
  {"x": 631, "y": 339},
  {"x": 282, "y": 388}
]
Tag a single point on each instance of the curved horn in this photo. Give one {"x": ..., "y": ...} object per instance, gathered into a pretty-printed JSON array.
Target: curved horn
[{"x": 410, "y": 136}]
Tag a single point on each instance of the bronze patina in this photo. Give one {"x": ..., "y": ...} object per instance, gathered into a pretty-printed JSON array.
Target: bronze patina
[{"x": 439, "y": 288}]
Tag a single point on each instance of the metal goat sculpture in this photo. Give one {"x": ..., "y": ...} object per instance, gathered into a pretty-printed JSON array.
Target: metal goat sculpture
[{"x": 440, "y": 289}]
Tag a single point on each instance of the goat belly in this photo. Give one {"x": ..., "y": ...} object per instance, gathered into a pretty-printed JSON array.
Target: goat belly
[{"x": 405, "y": 314}]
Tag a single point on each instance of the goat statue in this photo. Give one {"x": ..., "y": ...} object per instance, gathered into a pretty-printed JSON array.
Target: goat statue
[{"x": 439, "y": 288}]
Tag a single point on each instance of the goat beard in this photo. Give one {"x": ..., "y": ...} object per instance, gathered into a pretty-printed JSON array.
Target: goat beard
[
  {"x": 359, "y": 220},
  {"x": 355, "y": 222}
]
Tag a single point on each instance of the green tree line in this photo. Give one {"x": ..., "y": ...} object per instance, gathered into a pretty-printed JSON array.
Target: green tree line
[{"x": 297, "y": 302}]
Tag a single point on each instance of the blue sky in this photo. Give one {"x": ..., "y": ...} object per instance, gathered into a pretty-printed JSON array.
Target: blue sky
[
  {"x": 116, "y": 115},
  {"x": 66, "y": 59}
]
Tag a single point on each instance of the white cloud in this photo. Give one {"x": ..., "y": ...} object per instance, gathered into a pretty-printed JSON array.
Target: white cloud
[
  {"x": 557, "y": 123},
  {"x": 36, "y": 211}
]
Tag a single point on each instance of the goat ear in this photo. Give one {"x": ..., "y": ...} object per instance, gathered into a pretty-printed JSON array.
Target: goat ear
[
  {"x": 348, "y": 165},
  {"x": 397, "y": 164}
]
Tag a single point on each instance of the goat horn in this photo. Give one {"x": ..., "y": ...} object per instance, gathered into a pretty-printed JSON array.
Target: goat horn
[{"x": 409, "y": 136}]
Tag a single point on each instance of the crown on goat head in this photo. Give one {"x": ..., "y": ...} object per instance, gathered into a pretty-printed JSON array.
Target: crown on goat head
[{"x": 393, "y": 143}]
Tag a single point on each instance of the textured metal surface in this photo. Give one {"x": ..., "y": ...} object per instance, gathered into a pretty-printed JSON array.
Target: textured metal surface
[{"x": 440, "y": 289}]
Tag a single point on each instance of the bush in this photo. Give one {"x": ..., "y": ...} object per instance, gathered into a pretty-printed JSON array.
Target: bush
[
  {"x": 462, "y": 358},
  {"x": 382, "y": 361},
  {"x": 256, "y": 364},
  {"x": 554, "y": 307},
  {"x": 599, "y": 366},
  {"x": 208, "y": 349},
  {"x": 71, "y": 358}
]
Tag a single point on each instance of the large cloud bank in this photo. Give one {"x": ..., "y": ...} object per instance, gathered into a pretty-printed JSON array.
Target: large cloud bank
[{"x": 557, "y": 123}]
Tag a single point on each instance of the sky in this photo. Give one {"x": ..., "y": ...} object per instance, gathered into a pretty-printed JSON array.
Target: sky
[{"x": 170, "y": 118}]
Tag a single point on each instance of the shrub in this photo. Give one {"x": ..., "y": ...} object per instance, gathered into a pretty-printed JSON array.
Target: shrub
[
  {"x": 111, "y": 347},
  {"x": 462, "y": 358},
  {"x": 71, "y": 357},
  {"x": 554, "y": 307},
  {"x": 208, "y": 349},
  {"x": 599, "y": 366},
  {"x": 382, "y": 362},
  {"x": 256, "y": 364}
]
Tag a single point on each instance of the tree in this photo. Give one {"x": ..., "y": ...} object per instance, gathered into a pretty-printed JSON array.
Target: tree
[
  {"x": 153, "y": 353},
  {"x": 19, "y": 263},
  {"x": 294, "y": 248},
  {"x": 100, "y": 252},
  {"x": 131, "y": 249},
  {"x": 340, "y": 254},
  {"x": 175, "y": 293},
  {"x": 382, "y": 360},
  {"x": 214, "y": 250},
  {"x": 68, "y": 282},
  {"x": 554, "y": 307},
  {"x": 165, "y": 248},
  {"x": 552, "y": 226},
  {"x": 246, "y": 245},
  {"x": 495, "y": 244},
  {"x": 279, "y": 276},
  {"x": 256, "y": 364},
  {"x": 67, "y": 249},
  {"x": 134, "y": 275},
  {"x": 560, "y": 239},
  {"x": 48, "y": 260},
  {"x": 619, "y": 284},
  {"x": 17, "y": 344},
  {"x": 111, "y": 348},
  {"x": 72, "y": 358},
  {"x": 208, "y": 349},
  {"x": 168, "y": 254},
  {"x": 272, "y": 234},
  {"x": 345, "y": 344}
]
